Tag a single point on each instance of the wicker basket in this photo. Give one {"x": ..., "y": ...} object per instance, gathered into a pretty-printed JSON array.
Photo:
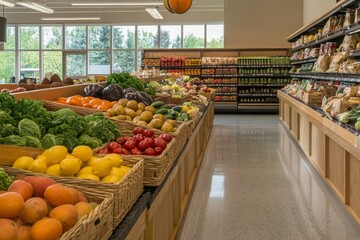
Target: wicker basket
[
  {"x": 95, "y": 226},
  {"x": 177, "y": 101},
  {"x": 54, "y": 106},
  {"x": 209, "y": 95},
  {"x": 155, "y": 167},
  {"x": 125, "y": 193},
  {"x": 181, "y": 134}
]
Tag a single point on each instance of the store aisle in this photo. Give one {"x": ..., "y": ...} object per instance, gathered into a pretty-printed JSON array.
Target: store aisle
[{"x": 255, "y": 183}]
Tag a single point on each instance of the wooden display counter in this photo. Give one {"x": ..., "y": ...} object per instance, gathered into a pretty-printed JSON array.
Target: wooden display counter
[
  {"x": 333, "y": 150},
  {"x": 159, "y": 211}
]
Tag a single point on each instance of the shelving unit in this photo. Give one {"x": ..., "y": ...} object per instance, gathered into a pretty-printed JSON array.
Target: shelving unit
[{"x": 229, "y": 79}]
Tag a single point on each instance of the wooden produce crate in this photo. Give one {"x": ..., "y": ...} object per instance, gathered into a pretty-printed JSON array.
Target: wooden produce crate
[
  {"x": 125, "y": 193},
  {"x": 313, "y": 99},
  {"x": 54, "y": 106},
  {"x": 95, "y": 226},
  {"x": 177, "y": 101},
  {"x": 9, "y": 153},
  {"x": 209, "y": 95}
]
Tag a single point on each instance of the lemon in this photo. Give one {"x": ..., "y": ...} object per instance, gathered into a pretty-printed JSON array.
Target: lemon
[
  {"x": 92, "y": 161},
  {"x": 73, "y": 157},
  {"x": 89, "y": 176},
  {"x": 125, "y": 168},
  {"x": 38, "y": 166},
  {"x": 55, "y": 154},
  {"x": 119, "y": 172},
  {"x": 102, "y": 167},
  {"x": 69, "y": 166},
  {"x": 54, "y": 170},
  {"x": 84, "y": 153},
  {"x": 23, "y": 162},
  {"x": 111, "y": 179},
  {"x": 115, "y": 159},
  {"x": 85, "y": 170}
]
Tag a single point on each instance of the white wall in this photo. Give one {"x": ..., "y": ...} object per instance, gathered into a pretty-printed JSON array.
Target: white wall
[
  {"x": 261, "y": 24},
  {"x": 314, "y": 8}
]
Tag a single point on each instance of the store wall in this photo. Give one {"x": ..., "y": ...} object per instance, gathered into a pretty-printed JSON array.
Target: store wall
[
  {"x": 313, "y": 9},
  {"x": 261, "y": 24}
]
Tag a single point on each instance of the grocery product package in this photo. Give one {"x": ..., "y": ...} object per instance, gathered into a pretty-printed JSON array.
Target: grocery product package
[
  {"x": 330, "y": 25},
  {"x": 349, "y": 43},
  {"x": 353, "y": 67},
  {"x": 336, "y": 60},
  {"x": 344, "y": 66},
  {"x": 357, "y": 15},
  {"x": 323, "y": 63},
  {"x": 349, "y": 17},
  {"x": 340, "y": 22}
]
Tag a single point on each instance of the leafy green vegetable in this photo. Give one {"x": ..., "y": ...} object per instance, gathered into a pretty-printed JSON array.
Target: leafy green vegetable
[
  {"x": 7, "y": 130},
  {"x": 6, "y": 118},
  {"x": 28, "y": 127},
  {"x": 150, "y": 89},
  {"x": 5, "y": 180},
  {"x": 125, "y": 80},
  {"x": 357, "y": 125},
  {"x": 48, "y": 141},
  {"x": 7, "y": 102},
  {"x": 14, "y": 140},
  {"x": 89, "y": 141},
  {"x": 32, "y": 142},
  {"x": 101, "y": 128}
]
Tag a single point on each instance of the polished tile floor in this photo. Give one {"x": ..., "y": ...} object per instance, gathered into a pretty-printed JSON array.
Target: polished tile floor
[{"x": 256, "y": 183}]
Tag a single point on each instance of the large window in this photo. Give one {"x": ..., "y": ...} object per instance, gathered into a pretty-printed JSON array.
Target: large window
[
  {"x": 148, "y": 37},
  {"x": 75, "y": 37},
  {"x": 215, "y": 36},
  {"x": 7, "y": 58},
  {"x": 194, "y": 36},
  {"x": 170, "y": 36},
  {"x": 34, "y": 50}
]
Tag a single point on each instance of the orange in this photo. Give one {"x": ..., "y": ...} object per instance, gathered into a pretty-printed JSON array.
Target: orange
[
  {"x": 11, "y": 204},
  {"x": 73, "y": 101},
  {"x": 87, "y": 105},
  {"x": 95, "y": 106},
  {"x": 84, "y": 101},
  {"x": 23, "y": 188},
  {"x": 75, "y": 193},
  {"x": 8, "y": 229},
  {"x": 46, "y": 229},
  {"x": 66, "y": 214},
  {"x": 102, "y": 107},
  {"x": 34, "y": 210},
  {"x": 58, "y": 195},
  {"x": 106, "y": 103},
  {"x": 24, "y": 233},
  {"x": 95, "y": 101},
  {"x": 83, "y": 209}
]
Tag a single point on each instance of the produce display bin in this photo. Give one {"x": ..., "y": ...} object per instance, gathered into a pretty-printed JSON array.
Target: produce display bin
[
  {"x": 9, "y": 153},
  {"x": 95, "y": 226},
  {"x": 54, "y": 106},
  {"x": 125, "y": 193}
]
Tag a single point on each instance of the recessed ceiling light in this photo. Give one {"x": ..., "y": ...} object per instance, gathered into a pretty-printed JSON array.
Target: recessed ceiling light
[
  {"x": 153, "y": 11},
  {"x": 36, "y": 6},
  {"x": 118, "y": 4},
  {"x": 71, "y": 19},
  {"x": 7, "y": 3}
]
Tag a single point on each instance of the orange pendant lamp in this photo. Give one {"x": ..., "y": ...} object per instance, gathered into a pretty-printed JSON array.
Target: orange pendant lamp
[{"x": 177, "y": 6}]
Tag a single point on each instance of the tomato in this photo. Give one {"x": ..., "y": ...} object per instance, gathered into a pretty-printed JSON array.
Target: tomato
[
  {"x": 158, "y": 151},
  {"x": 117, "y": 150},
  {"x": 138, "y": 138},
  {"x": 160, "y": 143},
  {"x": 113, "y": 145},
  {"x": 104, "y": 151},
  {"x": 150, "y": 141},
  {"x": 148, "y": 133},
  {"x": 121, "y": 140},
  {"x": 130, "y": 144},
  {"x": 149, "y": 152},
  {"x": 143, "y": 145},
  {"x": 138, "y": 130},
  {"x": 167, "y": 137},
  {"x": 124, "y": 151},
  {"x": 135, "y": 151}
]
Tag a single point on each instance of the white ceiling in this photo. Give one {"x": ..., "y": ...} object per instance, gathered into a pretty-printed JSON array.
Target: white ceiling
[{"x": 205, "y": 9}]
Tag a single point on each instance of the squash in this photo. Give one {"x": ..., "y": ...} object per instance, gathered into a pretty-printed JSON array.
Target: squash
[
  {"x": 167, "y": 6},
  {"x": 180, "y": 6}
]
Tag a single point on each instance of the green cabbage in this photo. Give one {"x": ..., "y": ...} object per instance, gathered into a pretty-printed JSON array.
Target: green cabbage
[
  {"x": 32, "y": 142},
  {"x": 14, "y": 140},
  {"x": 7, "y": 130},
  {"x": 28, "y": 127},
  {"x": 89, "y": 141},
  {"x": 48, "y": 141}
]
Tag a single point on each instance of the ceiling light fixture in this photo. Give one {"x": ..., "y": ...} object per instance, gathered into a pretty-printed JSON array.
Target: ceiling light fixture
[
  {"x": 36, "y": 6},
  {"x": 119, "y": 4},
  {"x": 7, "y": 3},
  {"x": 153, "y": 11},
  {"x": 71, "y": 19}
]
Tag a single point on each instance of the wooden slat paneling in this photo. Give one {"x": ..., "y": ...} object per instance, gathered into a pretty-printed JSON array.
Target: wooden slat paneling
[{"x": 337, "y": 166}]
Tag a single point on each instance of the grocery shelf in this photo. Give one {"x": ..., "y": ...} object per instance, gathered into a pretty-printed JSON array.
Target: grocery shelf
[
  {"x": 226, "y": 107},
  {"x": 257, "y": 95},
  {"x": 221, "y": 84},
  {"x": 261, "y": 85},
  {"x": 225, "y": 94},
  {"x": 330, "y": 76},
  {"x": 263, "y": 75},
  {"x": 181, "y": 67},
  {"x": 219, "y": 76},
  {"x": 220, "y": 66},
  {"x": 355, "y": 53},
  {"x": 265, "y": 66},
  {"x": 308, "y": 60}
]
